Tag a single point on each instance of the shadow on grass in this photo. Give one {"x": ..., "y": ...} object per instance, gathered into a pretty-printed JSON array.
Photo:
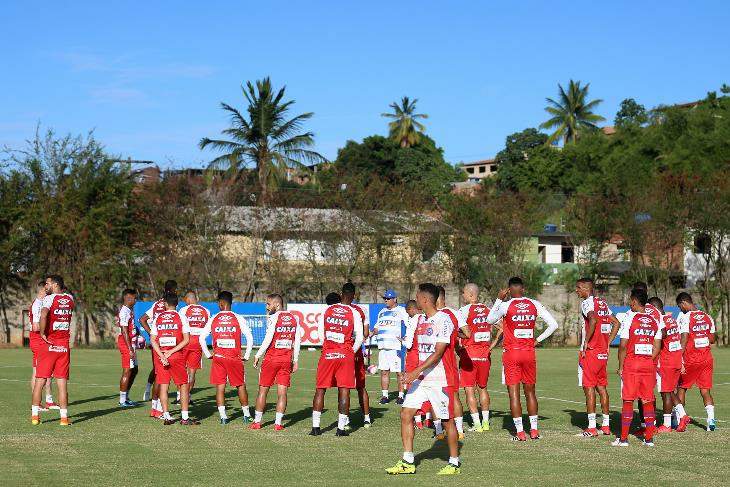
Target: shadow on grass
[
  {"x": 509, "y": 425},
  {"x": 439, "y": 451},
  {"x": 93, "y": 399}
]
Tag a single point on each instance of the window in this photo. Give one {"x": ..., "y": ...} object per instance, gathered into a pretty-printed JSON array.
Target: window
[
  {"x": 541, "y": 253},
  {"x": 702, "y": 244},
  {"x": 482, "y": 169},
  {"x": 493, "y": 168},
  {"x": 470, "y": 170},
  {"x": 567, "y": 254}
]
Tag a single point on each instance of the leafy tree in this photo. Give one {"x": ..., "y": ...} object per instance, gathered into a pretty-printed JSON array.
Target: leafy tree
[
  {"x": 631, "y": 114},
  {"x": 512, "y": 159},
  {"x": 405, "y": 127},
  {"x": 265, "y": 138},
  {"x": 571, "y": 113}
]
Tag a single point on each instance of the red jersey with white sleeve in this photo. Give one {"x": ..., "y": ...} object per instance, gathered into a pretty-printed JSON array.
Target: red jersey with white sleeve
[
  {"x": 478, "y": 343},
  {"x": 599, "y": 339},
  {"x": 34, "y": 317},
  {"x": 60, "y": 309},
  {"x": 411, "y": 340},
  {"x": 653, "y": 311},
  {"x": 283, "y": 337},
  {"x": 197, "y": 317},
  {"x": 168, "y": 329},
  {"x": 226, "y": 329},
  {"x": 640, "y": 329},
  {"x": 125, "y": 322},
  {"x": 699, "y": 326},
  {"x": 519, "y": 317},
  {"x": 157, "y": 307},
  {"x": 671, "y": 354},
  {"x": 338, "y": 325}
]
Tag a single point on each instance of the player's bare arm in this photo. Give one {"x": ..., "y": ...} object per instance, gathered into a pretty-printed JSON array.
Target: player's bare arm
[
  {"x": 159, "y": 353},
  {"x": 621, "y": 355},
  {"x": 656, "y": 349},
  {"x": 590, "y": 328},
  {"x": 497, "y": 337},
  {"x": 43, "y": 323},
  {"x": 615, "y": 326},
  {"x": 144, "y": 321},
  {"x": 179, "y": 346},
  {"x": 464, "y": 332}
]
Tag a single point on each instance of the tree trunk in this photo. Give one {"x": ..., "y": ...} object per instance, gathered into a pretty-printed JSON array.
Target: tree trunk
[{"x": 6, "y": 323}]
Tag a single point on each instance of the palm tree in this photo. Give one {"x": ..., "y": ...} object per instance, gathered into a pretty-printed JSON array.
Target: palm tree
[
  {"x": 571, "y": 113},
  {"x": 405, "y": 127},
  {"x": 265, "y": 138}
]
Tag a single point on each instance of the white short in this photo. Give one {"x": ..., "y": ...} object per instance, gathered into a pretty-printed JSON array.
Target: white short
[
  {"x": 390, "y": 360},
  {"x": 441, "y": 401}
]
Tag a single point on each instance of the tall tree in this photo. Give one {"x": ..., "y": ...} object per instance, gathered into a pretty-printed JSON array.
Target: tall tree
[
  {"x": 405, "y": 127},
  {"x": 265, "y": 138},
  {"x": 571, "y": 113}
]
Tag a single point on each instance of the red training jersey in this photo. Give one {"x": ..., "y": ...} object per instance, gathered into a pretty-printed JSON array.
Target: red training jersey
[
  {"x": 339, "y": 325},
  {"x": 700, "y": 327},
  {"x": 671, "y": 354},
  {"x": 599, "y": 339},
  {"x": 225, "y": 331},
  {"x": 640, "y": 329},
  {"x": 281, "y": 348},
  {"x": 60, "y": 309},
  {"x": 519, "y": 325},
  {"x": 477, "y": 345},
  {"x": 169, "y": 328}
]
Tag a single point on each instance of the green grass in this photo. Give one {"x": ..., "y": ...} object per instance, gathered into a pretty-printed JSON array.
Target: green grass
[{"x": 110, "y": 446}]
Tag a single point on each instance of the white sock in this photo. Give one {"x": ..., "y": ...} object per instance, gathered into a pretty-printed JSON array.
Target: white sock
[
  {"x": 157, "y": 404},
  {"x": 668, "y": 420},
  {"x": 34, "y": 410},
  {"x": 316, "y": 416},
  {"x": 401, "y": 394},
  {"x": 122, "y": 397},
  {"x": 258, "y": 416},
  {"x": 454, "y": 461},
  {"x": 222, "y": 412},
  {"x": 418, "y": 418},
  {"x": 384, "y": 392},
  {"x": 166, "y": 415},
  {"x": 606, "y": 420},
  {"x": 428, "y": 416},
  {"x": 592, "y": 421},
  {"x": 710, "y": 412},
  {"x": 178, "y": 395},
  {"x": 279, "y": 418},
  {"x": 184, "y": 414},
  {"x": 348, "y": 420},
  {"x": 439, "y": 427},
  {"x": 533, "y": 422},
  {"x": 681, "y": 413},
  {"x": 341, "y": 421},
  {"x": 408, "y": 457},
  {"x": 518, "y": 424},
  {"x": 64, "y": 413},
  {"x": 476, "y": 420},
  {"x": 246, "y": 410},
  {"x": 49, "y": 398},
  {"x": 459, "y": 424},
  {"x": 367, "y": 418},
  {"x": 485, "y": 416}
]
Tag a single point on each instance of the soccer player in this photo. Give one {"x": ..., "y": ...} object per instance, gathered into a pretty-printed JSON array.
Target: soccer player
[
  {"x": 669, "y": 367},
  {"x": 280, "y": 353},
  {"x": 416, "y": 318},
  {"x": 519, "y": 366},
  {"x": 225, "y": 329},
  {"x": 340, "y": 330},
  {"x": 347, "y": 297},
  {"x": 152, "y": 389},
  {"x": 475, "y": 356},
  {"x": 169, "y": 335},
  {"x": 197, "y": 317},
  {"x": 125, "y": 325},
  {"x": 640, "y": 346},
  {"x": 435, "y": 379},
  {"x": 698, "y": 333},
  {"x": 388, "y": 333},
  {"x": 54, "y": 352},
  {"x": 34, "y": 337},
  {"x": 598, "y": 322}
]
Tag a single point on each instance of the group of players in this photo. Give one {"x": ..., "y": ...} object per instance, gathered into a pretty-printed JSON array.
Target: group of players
[{"x": 447, "y": 349}]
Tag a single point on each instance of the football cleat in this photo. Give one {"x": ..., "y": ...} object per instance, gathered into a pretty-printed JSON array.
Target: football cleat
[
  {"x": 168, "y": 421},
  {"x": 402, "y": 467},
  {"x": 485, "y": 426},
  {"x": 131, "y": 404},
  {"x": 340, "y": 432},
  {"x": 439, "y": 436},
  {"x": 65, "y": 422},
  {"x": 316, "y": 431},
  {"x": 52, "y": 405},
  {"x": 664, "y": 429},
  {"x": 682, "y": 427},
  {"x": 519, "y": 436},
  {"x": 189, "y": 422},
  {"x": 450, "y": 470},
  {"x": 605, "y": 430},
  {"x": 646, "y": 442},
  {"x": 589, "y": 433},
  {"x": 399, "y": 401},
  {"x": 367, "y": 424},
  {"x": 476, "y": 429},
  {"x": 535, "y": 435},
  {"x": 35, "y": 420},
  {"x": 278, "y": 427},
  {"x": 348, "y": 428},
  {"x": 620, "y": 442},
  {"x": 154, "y": 413},
  {"x": 126, "y": 404},
  {"x": 461, "y": 436},
  {"x": 247, "y": 420},
  {"x": 224, "y": 420},
  {"x": 255, "y": 426},
  {"x": 384, "y": 400},
  {"x": 711, "y": 425},
  {"x": 419, "y": 425}
]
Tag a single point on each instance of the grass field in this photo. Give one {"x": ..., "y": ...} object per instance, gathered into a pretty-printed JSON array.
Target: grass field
[{"x": 110, "y": 446}]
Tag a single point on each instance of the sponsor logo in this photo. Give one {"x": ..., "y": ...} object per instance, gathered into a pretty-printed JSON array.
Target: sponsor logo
[
  {"x": 286, "y": 329},
  {"x": 166, "y": 326},
  {"x": 57, "y": 349},
  {"x": 226, "y": 318},
  {"x": 225, "y": 329},
  {"x": 646, "y": 332},
  {"x": 700, "y": 327},
  {"x": 645, "y": 320},
  {"x": 524, "y": 318},
  {"x": 331, "y": 320},
  {"x": 333, "y": 355},
  {"x": 63, "y": 301},
  {"x": 522, "y": 306}
]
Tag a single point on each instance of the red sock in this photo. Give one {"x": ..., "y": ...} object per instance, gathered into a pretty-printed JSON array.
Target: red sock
[
  {"x": 627, "y": 414},
  {"x": 649, "y": 419}
]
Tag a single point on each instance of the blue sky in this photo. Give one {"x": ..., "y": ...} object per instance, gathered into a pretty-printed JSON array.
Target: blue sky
[{"x": 148, "y": 76}]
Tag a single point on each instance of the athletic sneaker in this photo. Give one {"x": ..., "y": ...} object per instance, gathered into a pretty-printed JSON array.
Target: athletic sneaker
[
  {"x": 521, "y": 436},
  {"x": 402, "y": 467},
  {"x": 316, "y": 431},
  {"x": 65, "y": 422},
  {"x": 189, "y": 422},
  {"x": 224, "y": 421},
  {"x": 35, "y": 420},
  {"x": 605, "y": 430},
  {"x": 131, "y": 404},
  {"x": 439, "y": 436},
  {"x": 154, "y": 413},
  {"x": 450, "y": 470},
  {"x": 646, "y": 442},
  {"x": 247, "y": 420},
  {"x": 461, "y": 436},
  {"x": 340, "y": 432},
  {"x": 399, "y": 401},
  {"x": 52, "y": 405},
  {"x": 682, "y": 427},
  {"x": 168, "y": 421},
  {"x": 485, "y": 426},
  {"x": 618, "y": 442},
  {"x": 535, "y": 435},
  {"x": 367, "y": 424},
  {"x": 664, "y": 429},
  {"x": 476, "y": 429},
  {"x": 384, "y": 400},
  {"x": 348, "y": 428},
  {"x": 589, "y": 433},
  {"x": 278, "y": 427},
  {"x": 255, "y": 426},
  {"x": 711, "y": 425}
]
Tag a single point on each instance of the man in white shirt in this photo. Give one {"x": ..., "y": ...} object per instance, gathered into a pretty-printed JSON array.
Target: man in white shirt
[
  {"x": 125, "y": 327},
  {"x": 388, "y": 333}
]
